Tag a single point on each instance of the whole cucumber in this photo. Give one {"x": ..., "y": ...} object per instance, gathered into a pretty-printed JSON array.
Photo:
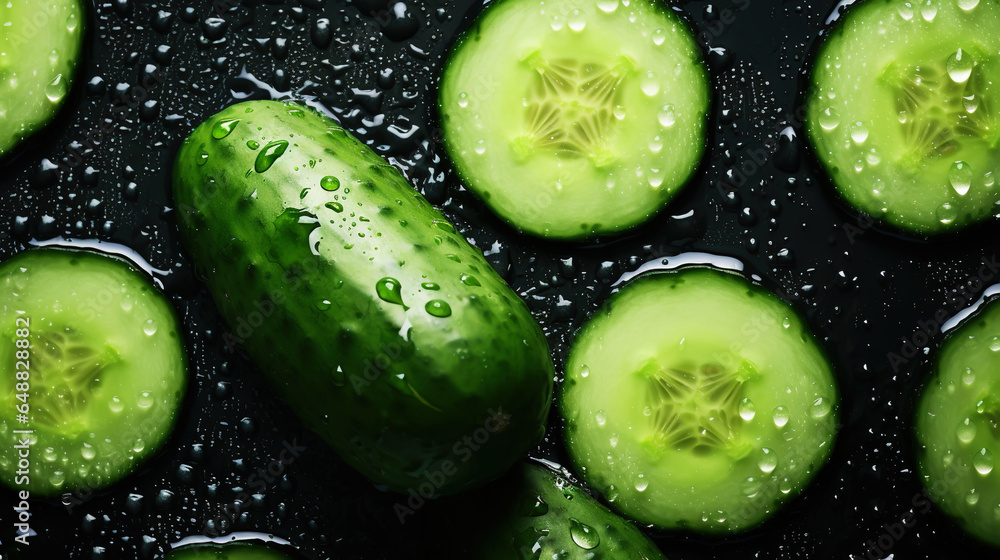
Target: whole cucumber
[{"x": 381, "y": 326}]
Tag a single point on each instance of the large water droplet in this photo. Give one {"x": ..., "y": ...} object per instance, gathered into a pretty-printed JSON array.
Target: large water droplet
[
  {"x": 972, "y": 498},
  {"x": 995, "y": 344},
  {"x": 960, "y": 177},
  {"x": 224, "y": 128},
  {"x": 88, "y": 451},
  {"x": 929, "y": 10},
  {"x": 780, "y": 416},
  {"x": 747, "y": 409},
  {"x": 269, "y": 155},
  {"x": 667, "y": 117},
  {"x": 577, "y": 20},
  {"x": 959, "y": 66},
  {"x": 641, "y": 483},
  {"x": 329, "y": 183},
  {"x": 859, "y": 133},
  {"x": 768, "y": 460},
  {"x": 829, "y": 119},
  {"x": 820, "y": 408},
  {"x": 946, "y": 213},
  {"x": 968, "y": 5},
  {"x": 583, "y": 535},
  {"x": 966, "y": 431},
  {"x": 388, "y": 289},
  {"x": 470, "y": 280},
  {"x": 649, "y": 85},
  {"x": 607, "y": 6},
  {"x": 56, "y": 89},
  {"x": 601, "y": 418},
  {"x": 983, "y": 461},
  {"x": 438, "y": 308},
  {"x": 905, "y": 11}
]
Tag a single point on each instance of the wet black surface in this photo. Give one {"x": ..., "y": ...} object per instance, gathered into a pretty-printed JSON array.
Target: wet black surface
[{"x": 758, "y": 198}]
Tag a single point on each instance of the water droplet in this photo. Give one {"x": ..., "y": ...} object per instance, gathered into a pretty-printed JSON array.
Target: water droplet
[
  {"x": 983, "y": 461},
  {"x": 202, "y": 160},
  {"x": 995, "y": 344},
  {"x": 338, "y": 377},
  {"x": 388, "y": 289},
  {"x": 56, "y": 89},
  {"x": 57, "y": 479},
  {"x": 959, "y": 66},
  {"x": 607, "y": 6},
  {"x": 667, "y": 117},
  {"x": 535, "y": 507},
  {"x": 470, "y": 280},
  {"x": 966, "y": 431},
  {"x": 905, "y": 11},
  {"x": 829, "y": 119},
  {"x": 329, "y": 183},
  {"x": 860, "y": 133},
  {"x": 224, "y": 128},
  {"x": 430, "y": 286},
  {"x": 820, "y": 408},
  {"x": 463, "y": 100},
  {"x": 438, "y": 308},
  {"x": 785, "y": 486},
  {"x": 968, "y": 5},
  {"x": 989, "y": 180},
  {"x": 970, "y": 103},
  {"x": 613, "y": 440},
  {"x": 269, "y": 155},
  {"x": 780, "y": 416},
  {"x": 619, "y": 112},
  {"x": 612, "y": 493},
  {"x": 583, "y": 535},
  {"x": 960, "y": 177},
  {"x": 786, "y": 322},
  {"x": 88, "y": 451},
  {"x": 335, "y": 206},
  {"x": 144, "y": 400},
  {"x": 768, "y": 461},
  {"x": 577, "y": 20},
  {"x": 747, "y": 409},
  {"x": 641, "y": 483},
  {"x": 658, "y": 37},
  {"x": 946, "y": 213},
  {"x": 253, "y": 144},
  {"x": 584, "y": 371},
  {"x": 601, "y": 418},
  {"x": 649, "y": 85},
  {"x": 968, "y": 376},
  {"x": 929, "y": 11},
  {"x": 149, "y": 328},
  {"x": 972, "y": 498},
  {"x": 647, "y": 410},
  {"x": 116, "y": 404},
  {"x": 49, "y": 454}
]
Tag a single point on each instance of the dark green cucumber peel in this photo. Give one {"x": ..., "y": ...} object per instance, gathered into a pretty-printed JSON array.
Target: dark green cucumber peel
[
  {"x": 572, "y": 122},
  {"x": 904, "y": 112},
  {"x": 958, "y": 426},
  {"x": 387, "y": 332},
  {"x": 538, "y": 514},
  {"x": 697, "y": 400},
  {"x": 39, "y": 52},
  {"x": 107, "y": 369},
  {"x": 228, "y": 551}
]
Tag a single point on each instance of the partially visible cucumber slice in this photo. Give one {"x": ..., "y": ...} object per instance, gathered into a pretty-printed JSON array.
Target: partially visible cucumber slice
[
  {"x": 40, "y": 44},
  {"x": 958, "y": 426},
  {"x": 575, "y": 119},
  {"x": 697, "y": 400},
  {"x": 228, "y": 551},
  {"x": 106, "y": 369},
  {"x": 904, "y": 112}
]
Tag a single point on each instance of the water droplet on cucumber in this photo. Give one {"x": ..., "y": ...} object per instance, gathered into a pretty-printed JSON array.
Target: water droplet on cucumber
[
  {"x": 959, "y": 66},
  {"x": 270, "y": 154},
  {"x": 966, "y": 431},
  {"x": 224, "y": 128},
  {"x": 960, "y": 177},
  {"x": 329, "y": 183},
  {"x": 829, "y": 119},
  {"x": 389, "y": 290},
  {"x": 768, "y": 461},
  {"x": 577, "y": 20},
  {"x": 747, "y": 409},
  {"x": 780, "y": 416},
  {"x": 438, "y": 308},
  {"x": 983, "y": 461},
  {"x": 583, "y": 535},
  {"x": 667, "y": 117}
]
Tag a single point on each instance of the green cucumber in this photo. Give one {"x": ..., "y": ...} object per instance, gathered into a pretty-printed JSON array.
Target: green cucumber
[
  {"x": 106, "y": 370},
  {"x": 958, "y": 426},
  {"x": 575, "y": 120},
  {"x": 904, "y": 112},
  {"x": 228, "y": 551},
  {"x": 387, "y": 332},
  {"x": 697, "y": 400},
  {"x": 40, "y": 44},
  {"x": 538, "y": 514}
]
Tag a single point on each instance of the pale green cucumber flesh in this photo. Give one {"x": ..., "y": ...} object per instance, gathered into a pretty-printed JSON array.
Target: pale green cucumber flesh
[
  {"x": 958, "y": 426},
  {"x": 385, "y": 331},
  {"x": 40, "y": 45},
  {"x": 697, "y": 400},
  {"x": 106, "y": 366},
  {"x": 904, "y": 112},
  {"x": 571, "y": 120}
]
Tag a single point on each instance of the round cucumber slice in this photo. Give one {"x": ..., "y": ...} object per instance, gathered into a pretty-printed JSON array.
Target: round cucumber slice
[
  {"x": 106, "y": 370},
  {"x": 697, "y": 400},
  {"x": 904, "y": 112},
  {"x": 40, "y": 44},
  {"x": 958, "y": 426},
  {"x": 575, "y": 119},
  {"x": 228, "y": 551}
]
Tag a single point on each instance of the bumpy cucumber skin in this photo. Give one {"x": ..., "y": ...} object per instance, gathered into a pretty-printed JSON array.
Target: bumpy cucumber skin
[
  {"x": 542, "y": 515},
  {"x": 92, "y": 290},
  {"x": 228, "y": 551},
  {"x": 39, "y": 52},
  {"x": 909, "y": 202},
  {"x": 947, "y": 464},
  {"x": 693, "y": 491},
  {"x": 406, "y": 397},
  {"x": 588, "y": 209}
]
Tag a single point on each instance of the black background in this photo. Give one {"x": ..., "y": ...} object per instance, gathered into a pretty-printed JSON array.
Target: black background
[{"x": 154, "y": 70}]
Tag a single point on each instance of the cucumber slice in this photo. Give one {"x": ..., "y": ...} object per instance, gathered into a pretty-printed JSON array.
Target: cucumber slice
[
  {"x": 572, "y": 120},
  {"x": 958, "y": 426},
  {"x": 904, "y": 112},
  {"x": 228, "y": 551},
  {"x": 697, "y": 400},
  {"x": 40, "y": 44},
  {"x": 106, "y": 369}
]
